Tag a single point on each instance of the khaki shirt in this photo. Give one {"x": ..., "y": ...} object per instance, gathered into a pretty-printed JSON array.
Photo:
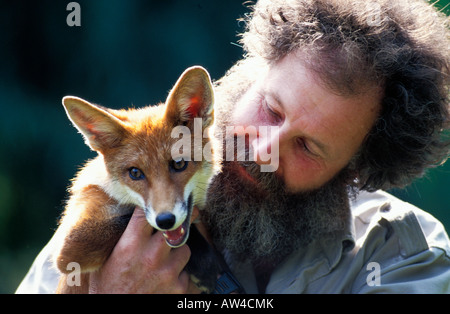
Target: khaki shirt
[{"x": 389, "y": 246}]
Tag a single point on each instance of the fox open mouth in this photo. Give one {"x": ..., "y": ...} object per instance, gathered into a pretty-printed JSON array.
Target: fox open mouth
[{"x": 178, "y": 237}]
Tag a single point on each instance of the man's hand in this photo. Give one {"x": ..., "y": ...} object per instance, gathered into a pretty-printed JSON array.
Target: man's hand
[{"x": 143, "y": 263}]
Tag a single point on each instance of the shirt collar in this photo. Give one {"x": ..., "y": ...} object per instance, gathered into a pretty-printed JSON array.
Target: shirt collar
[
  {"x": 339, "y": 243},
  {"x": 304, "y": 265},
  {"x": 310, "y": 263}
]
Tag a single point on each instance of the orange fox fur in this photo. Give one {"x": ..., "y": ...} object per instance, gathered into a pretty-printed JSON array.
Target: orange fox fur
[{"x": 108, "y": 188}]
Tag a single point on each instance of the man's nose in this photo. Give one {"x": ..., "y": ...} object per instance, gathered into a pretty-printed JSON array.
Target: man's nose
[
  {"x": 266, "y": 146},
  {"x": 261, "y": 146}
]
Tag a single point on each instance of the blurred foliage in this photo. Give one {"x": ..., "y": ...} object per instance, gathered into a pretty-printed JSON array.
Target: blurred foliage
[{"x": 125, "y": 53}]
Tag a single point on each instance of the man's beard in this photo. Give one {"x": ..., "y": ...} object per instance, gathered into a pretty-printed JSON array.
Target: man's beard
[{"x": 250, "y": 213}]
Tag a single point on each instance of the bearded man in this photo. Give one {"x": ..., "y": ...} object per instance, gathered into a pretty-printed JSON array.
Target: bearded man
[{"x": 357, "y": 92}]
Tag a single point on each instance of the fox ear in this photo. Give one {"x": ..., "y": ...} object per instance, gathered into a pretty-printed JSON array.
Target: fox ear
[
  {"x": 191, "y": 97},
  {"x": 101, "y": 130}
]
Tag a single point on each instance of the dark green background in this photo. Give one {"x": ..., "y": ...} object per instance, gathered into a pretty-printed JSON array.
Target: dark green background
[{"x": 125, "y": 53}]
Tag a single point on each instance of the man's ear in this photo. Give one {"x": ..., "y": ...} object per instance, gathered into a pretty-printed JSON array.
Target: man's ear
[
  {"x": 100, "y": 129},
  {"x": 191, "y": 97}
]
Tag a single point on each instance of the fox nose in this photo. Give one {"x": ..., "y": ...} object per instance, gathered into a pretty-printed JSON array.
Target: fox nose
[{"x": 165, "y": 220}]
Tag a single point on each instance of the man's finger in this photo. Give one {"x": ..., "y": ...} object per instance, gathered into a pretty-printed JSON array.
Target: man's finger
[
  {"x": 187, "y": 284},
  {"x": 138, "y": 228}
]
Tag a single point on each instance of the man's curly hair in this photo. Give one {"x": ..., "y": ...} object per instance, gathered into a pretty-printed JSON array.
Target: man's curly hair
[{"x": 401, "y": 45}]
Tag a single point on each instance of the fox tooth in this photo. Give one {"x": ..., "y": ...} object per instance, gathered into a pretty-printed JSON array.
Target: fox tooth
[
  {"x": 182, "y": 231},
  {"x": 165, "y": 235}
]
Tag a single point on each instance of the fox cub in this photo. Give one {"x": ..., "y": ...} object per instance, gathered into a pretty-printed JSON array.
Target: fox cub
[{"x": 135, "y": 167}]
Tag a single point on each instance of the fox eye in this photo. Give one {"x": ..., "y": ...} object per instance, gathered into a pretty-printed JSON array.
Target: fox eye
[
  {"x": 136, "y": 174},
  {"x": 178, "y": 165}
]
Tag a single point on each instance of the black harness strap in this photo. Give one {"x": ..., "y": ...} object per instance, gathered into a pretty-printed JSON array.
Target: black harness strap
[{"x": 226, "y": 283}]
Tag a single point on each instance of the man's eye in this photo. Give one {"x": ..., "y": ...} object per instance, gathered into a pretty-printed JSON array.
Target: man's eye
[
  {"x": 268, "y": 109},
  {"x": 304, "y": 146}
]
